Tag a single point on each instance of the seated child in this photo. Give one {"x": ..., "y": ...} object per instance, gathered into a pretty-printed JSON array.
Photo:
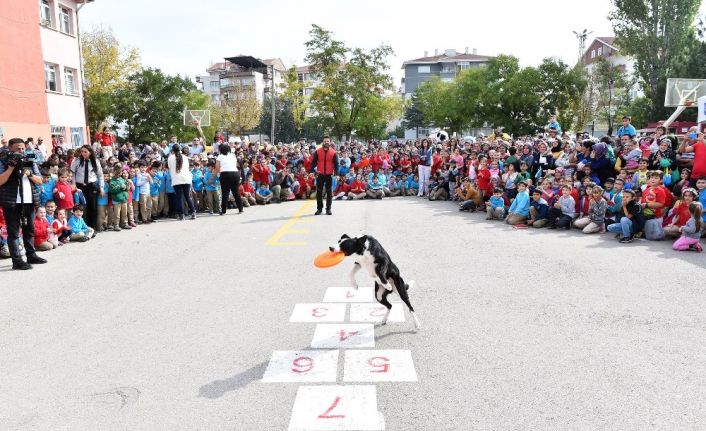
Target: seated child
[
  {"x": 41, "y": 231},
  {"x": 628, "y": 218},
  {"x": 691, "y": 231},
  {"x": 60, "y": 227},
  {"x": 564, "y": 210},
  {"x": 595, "y": 220},
  {"x": 264, "y": 194},
  {"x": 519, "y": 210},
  {"x": 538, "y": 210},
  {"x": 79, "y": 229},
  {"x": 495, "y": 207}
]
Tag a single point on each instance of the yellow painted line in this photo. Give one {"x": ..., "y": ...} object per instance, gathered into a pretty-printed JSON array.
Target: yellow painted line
[{"x": 286, "y": 229}]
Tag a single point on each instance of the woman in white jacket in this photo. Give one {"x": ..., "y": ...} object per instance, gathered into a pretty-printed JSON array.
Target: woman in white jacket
[{"x": 180, "y": 174}]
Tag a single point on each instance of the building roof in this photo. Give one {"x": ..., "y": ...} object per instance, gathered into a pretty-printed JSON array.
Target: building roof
[
  {"x": 443, "y": 58},
  {"x": 610, "y": 41},
  {"x": 303, "y": 69},
  {"x": 218, "y": 66},
  {"x": 277, "y": 63}
]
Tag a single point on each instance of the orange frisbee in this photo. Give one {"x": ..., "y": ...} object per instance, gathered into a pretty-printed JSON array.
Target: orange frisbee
[{"x": 328, "y": 259}]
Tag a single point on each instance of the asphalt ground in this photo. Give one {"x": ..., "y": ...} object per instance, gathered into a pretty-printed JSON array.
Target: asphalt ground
[{"x": 171, "y": 326}]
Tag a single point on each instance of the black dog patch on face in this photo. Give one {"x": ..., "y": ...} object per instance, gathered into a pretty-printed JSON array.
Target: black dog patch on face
[{"x": 350, "y": 245}]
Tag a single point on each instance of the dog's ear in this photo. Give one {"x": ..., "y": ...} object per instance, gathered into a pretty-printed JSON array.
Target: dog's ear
[
  {"x": 344, "y": 236},
  {"x": 362, "y": 239}
]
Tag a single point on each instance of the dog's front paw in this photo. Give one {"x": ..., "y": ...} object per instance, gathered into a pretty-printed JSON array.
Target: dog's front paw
[{"x": 388, "y": 287}]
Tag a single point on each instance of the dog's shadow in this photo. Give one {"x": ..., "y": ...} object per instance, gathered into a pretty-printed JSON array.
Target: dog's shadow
[{"x": 390, "y": 333}]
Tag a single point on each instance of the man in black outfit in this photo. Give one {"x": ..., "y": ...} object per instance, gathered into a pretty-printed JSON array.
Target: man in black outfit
[
  {"x": 325, "y": 164},
  {"x": 19, "y": 176}
]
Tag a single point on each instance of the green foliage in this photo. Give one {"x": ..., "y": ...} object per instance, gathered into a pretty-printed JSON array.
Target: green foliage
[
  {"x": 655, "y": 33},
  {"x": 106, "y": 66},
  {"x": 352, "y": 80},
  {"x": 295, "y": 100},
  {"x": 285, "y": 127},
  {"x": 413, "y": 116},
  {"x": 502, "y": 95},
  {"x": 152, "y": 105},
  {"x": 376, "y": 115}
]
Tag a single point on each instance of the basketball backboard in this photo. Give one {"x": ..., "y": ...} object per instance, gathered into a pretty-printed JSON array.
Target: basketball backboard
[
  {"x": 679, "y": 90},
  {"x": 197, "y": 118}
]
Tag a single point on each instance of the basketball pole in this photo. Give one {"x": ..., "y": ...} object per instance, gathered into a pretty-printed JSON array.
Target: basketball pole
[{"x": 685, "y": 104}]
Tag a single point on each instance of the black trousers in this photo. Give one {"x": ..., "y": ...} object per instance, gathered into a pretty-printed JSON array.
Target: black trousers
[
  {"x": 14, "y": 215},
  {"x": 183, "y": 193},
  {"x": 90, "y": 192},
  {"x": 321, "y": 182},
  {"x": 230, "y": 182}
]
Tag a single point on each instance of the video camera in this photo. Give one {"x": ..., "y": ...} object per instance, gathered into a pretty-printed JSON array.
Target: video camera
[{"x": 23, "y": 161}]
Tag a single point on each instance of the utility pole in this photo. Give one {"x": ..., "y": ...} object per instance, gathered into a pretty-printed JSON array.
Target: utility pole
[
  {"x": 582, "y": 36},
  {"x": 610, "y": 107},
  {"x": 272, "y": 100}
]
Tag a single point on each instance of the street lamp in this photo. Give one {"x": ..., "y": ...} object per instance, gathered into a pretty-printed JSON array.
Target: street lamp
[{"x": 610, "y": 108}]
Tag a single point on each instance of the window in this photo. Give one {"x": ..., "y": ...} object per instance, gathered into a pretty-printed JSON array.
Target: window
[
  {"x": 593, "y": 53},
  {"x": 50, "y": 77},
  {"x": 308, "y": 92},
  {"x": 45, "y": 12},
  {"x": 65, "y": 20},
  {"x": 70, "y": 80},
  {"x": 599, "y": 52},
  {"x": 76, "y": 137},
  {"x": 215, "y": 85},
  {"x": 423, "y": 69},
  {"x": 464, "y": 65},
  {"x": 448, "y": 68}
]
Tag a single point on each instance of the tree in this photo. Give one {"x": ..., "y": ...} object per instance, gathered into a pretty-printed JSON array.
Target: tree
[
  {"x": 240, "y": 110},
  {"x": 413, "y": 116},
  {"x": 377, "y": 115},
  {"x": 612, "y": 87},
  {"x": 352, "y": 79},
  {"x": 152, "y": 105},
  {"x": 106, "y": 67},
  {"x": 285, "y": 128},
  {"x": 293, "y": 96},
  {"x": 437, "y": 102},
  {"x": 654, "y": 33}
]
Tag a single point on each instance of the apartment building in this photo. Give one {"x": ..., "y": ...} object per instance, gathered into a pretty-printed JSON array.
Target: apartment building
[
  {"x": 608, "y": 48},
  {"x": 445, "y": 65},
  {"x": 231, "y": 80},
  {"x": 41, "y": 87}
]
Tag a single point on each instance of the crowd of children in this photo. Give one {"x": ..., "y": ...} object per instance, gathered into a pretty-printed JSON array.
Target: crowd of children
[{"x": 633, "y": 188}]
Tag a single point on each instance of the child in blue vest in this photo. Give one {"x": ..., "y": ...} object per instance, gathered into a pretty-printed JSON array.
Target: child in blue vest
[
  {"x": 211, "y": 186},
  {"x": 103, "y": 212},
  {"x": 197, "y": 186},
  {"x": 80, "y": 231},
  {"x": 155, "y": 186},
  {"x": 47, "y": 188}
]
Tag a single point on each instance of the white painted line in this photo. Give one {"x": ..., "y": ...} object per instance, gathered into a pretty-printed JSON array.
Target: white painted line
[
  {"x": 349, "y": 294},
  {"x": 374, "y": 312},
  {"x": 343, "y": 336},
  {"x": 302, "y": 366},
  {"x": 379, "y": 366},
  {"x": 318, "y": 312},
  {"x": 336, "y": 408}
]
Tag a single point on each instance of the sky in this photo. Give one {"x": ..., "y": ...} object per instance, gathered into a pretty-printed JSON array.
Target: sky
[{"x": 185, "y": 37}]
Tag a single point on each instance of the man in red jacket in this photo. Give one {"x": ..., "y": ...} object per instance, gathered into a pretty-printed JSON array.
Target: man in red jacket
[{"x": 325, "y": 163}]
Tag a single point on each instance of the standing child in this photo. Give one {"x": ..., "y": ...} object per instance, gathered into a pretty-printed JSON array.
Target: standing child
[
  {"x": 64, "y": 192},
  {"x": 144, "y": 181},
  {"x": 130, "y": 195},
  {"x": 102, "y": 201},
  {"x": 119, "y": 195},
  {"x": 211, "y": 186},
  {"x": 197, "y": 186},
  {"x": 47, "y": 188},
  {"x": 155, "y": 187},
  {"x": 691, "y": 231}
]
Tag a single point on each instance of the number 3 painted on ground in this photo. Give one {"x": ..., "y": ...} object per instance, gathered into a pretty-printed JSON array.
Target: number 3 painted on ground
[
  {"x": 302, "y": 364},
  {"x": 319, "y": 312},
  {"x": 327, "y": 414}
]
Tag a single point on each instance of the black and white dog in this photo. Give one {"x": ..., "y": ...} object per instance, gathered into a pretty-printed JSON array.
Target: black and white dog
[{"x": 370, "y": 255}]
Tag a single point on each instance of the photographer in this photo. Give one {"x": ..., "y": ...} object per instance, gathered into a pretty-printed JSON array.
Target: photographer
[{"x": 19, "y": 174}]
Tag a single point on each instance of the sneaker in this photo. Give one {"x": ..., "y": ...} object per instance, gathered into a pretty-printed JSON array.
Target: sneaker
[
  {"x": 626, "y": 240},
  {"x": 34, "y": 259},
  {"x": 126, "y": 227},
  {"x": 21, "y": 265},
  {"x": 116, "y": 229},
  {"x": 552, "y": 227},
  {"x": 318, "y": 212},
  {"x": 618, "y": 236},
  {"x": 193, "y": 216},
  {"x": 4, "y": 251},
  {"x": 328, "y": 212},
  {"x": 133, "y": 224}
]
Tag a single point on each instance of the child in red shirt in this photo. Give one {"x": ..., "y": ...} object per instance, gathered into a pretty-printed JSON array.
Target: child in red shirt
[
  {"x": 64, "y": 192},
  {"x": 41, "y": 231}
]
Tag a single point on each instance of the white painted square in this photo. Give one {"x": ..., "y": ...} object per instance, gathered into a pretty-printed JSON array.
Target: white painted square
[
  {"x": 343, "y": 336},
  {"x": 379, "y": 366},
  {"x": 349, "y": 294},
  {"x": 374, "y": 312},
  {"x": 302, "y": 366},
  {"x": 318, "y": 312},
  {"x": 336, "y": 408}
]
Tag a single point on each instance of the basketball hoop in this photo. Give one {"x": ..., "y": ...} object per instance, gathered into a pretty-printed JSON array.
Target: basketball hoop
[{"x": 688, "y": 102}]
